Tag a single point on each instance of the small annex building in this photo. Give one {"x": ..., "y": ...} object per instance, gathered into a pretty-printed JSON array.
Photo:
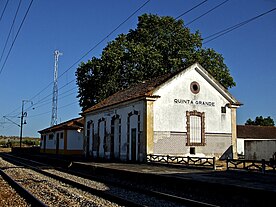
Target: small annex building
[
  {"x": 65, "y": 138},
  {"x": 256, "y": 142},
  {"x": 185, "y": 114}
]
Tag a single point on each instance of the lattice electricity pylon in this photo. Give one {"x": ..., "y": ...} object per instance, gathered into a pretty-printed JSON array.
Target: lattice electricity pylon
[{"x": 55, "y": 90}]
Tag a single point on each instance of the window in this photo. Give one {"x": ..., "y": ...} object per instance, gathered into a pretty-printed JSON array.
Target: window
[
  {"x": 61, "y": 135},
  {"x": 51, "y": 136},
  {"x": 192, "y": 151},
  {"x": 223, "y": 110},
  {"x": 195, "y": 88},
  {"x": 195, "y": 128}
]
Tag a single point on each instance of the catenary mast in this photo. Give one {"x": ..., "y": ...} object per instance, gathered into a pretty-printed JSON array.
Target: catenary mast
[{"x": 55, "y": 90}]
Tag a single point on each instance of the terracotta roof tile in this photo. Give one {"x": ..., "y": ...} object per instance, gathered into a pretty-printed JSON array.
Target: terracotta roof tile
[
  {"x": 256, "y": 132},
  {"x": 143, "y": 89},
  {"x": 70, "y": 124}
]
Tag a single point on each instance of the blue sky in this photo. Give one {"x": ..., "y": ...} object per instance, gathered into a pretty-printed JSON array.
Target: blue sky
[{"x": 74, "y": 27}]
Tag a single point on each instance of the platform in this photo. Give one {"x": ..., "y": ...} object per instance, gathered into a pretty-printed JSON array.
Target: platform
[{"x": 250, "y": 180}]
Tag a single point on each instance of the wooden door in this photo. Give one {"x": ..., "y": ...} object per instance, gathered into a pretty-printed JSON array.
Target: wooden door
[
  {"x": 57, "y": 143},
  {"x": 133, "y": 144}
]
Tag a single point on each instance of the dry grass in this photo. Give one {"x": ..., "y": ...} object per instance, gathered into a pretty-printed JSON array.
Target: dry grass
[
  {"x": 221, "y": 164},
  {"x": 6, "y": 149}
]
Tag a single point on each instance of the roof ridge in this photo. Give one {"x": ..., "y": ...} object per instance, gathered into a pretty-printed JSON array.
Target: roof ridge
[
  {"x": 65, "y": 123},
  {"x": 146, "y": 88}
]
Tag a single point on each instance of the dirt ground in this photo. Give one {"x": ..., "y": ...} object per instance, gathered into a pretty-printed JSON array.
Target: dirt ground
[{"x": 5, "y": 149}]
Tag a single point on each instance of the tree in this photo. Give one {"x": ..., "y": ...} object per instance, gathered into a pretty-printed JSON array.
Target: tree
[
  {"x": 157, "y": 46},
  {"x": 260, "y": 121}
]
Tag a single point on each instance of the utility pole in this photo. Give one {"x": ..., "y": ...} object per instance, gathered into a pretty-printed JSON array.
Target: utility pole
[
  {"x": 23, "y": 114},
  {"x": 55, "y": 90}
]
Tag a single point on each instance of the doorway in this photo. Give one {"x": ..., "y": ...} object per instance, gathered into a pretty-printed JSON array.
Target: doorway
[
  {"x": 57, "y": 143},
  {"x": 133, "y": 144},
  {"x": 44, "y": 143}
]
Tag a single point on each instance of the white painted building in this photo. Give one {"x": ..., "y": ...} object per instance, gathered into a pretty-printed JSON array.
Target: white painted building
[
  {"x": 65, "y": 138},
  {"x": 186, "y": 114},
  {"x": 256, "y": 142}
]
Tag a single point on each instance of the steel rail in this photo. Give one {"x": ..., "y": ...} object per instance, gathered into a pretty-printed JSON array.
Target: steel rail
[
  {"x": 23, "y": 192},
  {"x": 100, "y": 193},
  {"x": 156, "y": 194}
]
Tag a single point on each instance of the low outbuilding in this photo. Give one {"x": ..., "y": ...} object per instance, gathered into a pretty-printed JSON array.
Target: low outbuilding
[
  {"x": 65, "y": 138},
  {"x": 256, "y": 142}
]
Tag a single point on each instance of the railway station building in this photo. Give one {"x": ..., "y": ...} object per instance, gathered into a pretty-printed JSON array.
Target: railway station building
[
  {"x": 65, "y": 138},
  {"x": 183, "y": 114}
]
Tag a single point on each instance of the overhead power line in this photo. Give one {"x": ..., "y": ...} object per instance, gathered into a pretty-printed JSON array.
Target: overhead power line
[
  {"x": 236, "y": 26},
  {"x": 206, "y": 13},
  {"x": 95, "y": 46},
  {"x": 86, "y": 53},
  {"x": 48, "y": 101},
  {"x": 216, "y": 35},
  {"x": 4, "y": 10},
  {"x": 10, "y": 114},
  {"x": 48, "y": 112},
  {"x": 12, "y": 25},
  {"x": 107, "y": 36},
  {"x": 186, "y": 12},
  {"x": 43, "y": 100},
  {"x": 16, "y": 35}
]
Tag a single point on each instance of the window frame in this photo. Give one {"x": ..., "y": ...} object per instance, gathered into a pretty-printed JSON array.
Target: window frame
[
  {"x": 223, "y": 110},
  {"x": 201, "y": 115},
  {"x": 51, "y": 136}
]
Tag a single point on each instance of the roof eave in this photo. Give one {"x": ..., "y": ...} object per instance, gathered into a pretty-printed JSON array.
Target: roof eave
[
  {"x": 220, "y": 88},
  {"x": 147, "y": 97}
]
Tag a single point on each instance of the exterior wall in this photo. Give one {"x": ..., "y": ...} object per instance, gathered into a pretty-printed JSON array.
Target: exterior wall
[
  {"x": 61, "y": 140},
  {"x": 174, "y": 143},
  {"x": 64, "y": 152},
  {"x": 100, "y": 131},
  {"x": 259, "y": 149},
  {"x": 47, "y": 144},
  {"x": 234, "y": 131},
  {"x": 170, "y": 116},
  {"x": 70, "y": 144},
  {"x": 148, "y": 124},
  {"x": 50, "y": 143},
  {"x": 170, "y": 123},
  {"x": 248, "y": 145},
  {"x": 169, "y": 143},
  {"x": 74, "y": 140},
  {"x": 117, "y": 137},
  {"x": 42, "y": 137},
  {"x": 240, "y": 146},
  {"x": 159, "y": 126}
]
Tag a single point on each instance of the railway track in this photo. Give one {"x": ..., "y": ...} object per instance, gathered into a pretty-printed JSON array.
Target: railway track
[
  {"x": 122, "y": 194},
  {"x": 29, "y": 197},
  {"x": 50, "y": 189}
]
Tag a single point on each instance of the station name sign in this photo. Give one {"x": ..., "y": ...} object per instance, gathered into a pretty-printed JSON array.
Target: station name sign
[{"x": 194, "y": 102}]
